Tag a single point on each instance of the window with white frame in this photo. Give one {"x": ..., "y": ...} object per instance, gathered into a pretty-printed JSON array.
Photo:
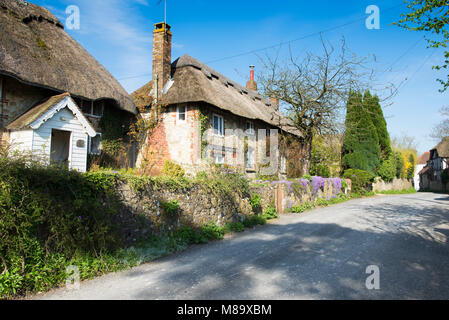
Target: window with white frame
[
  {"x": 218, "y": 123},
  {"x": 95, "y": 145},
  {"x": 250, "y": 128},
  {"x": 181, "y": 112}
]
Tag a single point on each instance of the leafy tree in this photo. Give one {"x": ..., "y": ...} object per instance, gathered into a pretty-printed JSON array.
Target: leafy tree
[
  {"x": 388, "y": 169},
  {"x": 399, "y": 164},
  {"x": 361, "y": 148},
  {"x": 431, "y": 16},
  {"x": 326, "y": 157}
]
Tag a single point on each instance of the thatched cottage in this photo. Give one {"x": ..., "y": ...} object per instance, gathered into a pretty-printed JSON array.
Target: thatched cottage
[
  {"x": 187, "y": 99},
  {"x": 53, "y": 93}
]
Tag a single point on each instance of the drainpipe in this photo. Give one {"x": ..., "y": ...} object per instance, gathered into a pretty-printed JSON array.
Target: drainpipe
[{"x": 156, "y": 87}]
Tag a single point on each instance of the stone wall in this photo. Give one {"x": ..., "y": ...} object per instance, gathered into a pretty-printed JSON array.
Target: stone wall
[
  {"x": 397, "y": 184},
  {"x": 142, "y": 213},
  {"x": 284, "y": 195}
]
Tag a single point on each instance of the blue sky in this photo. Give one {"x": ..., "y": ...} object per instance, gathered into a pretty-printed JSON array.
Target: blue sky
[{"x": 118, "y": 34}]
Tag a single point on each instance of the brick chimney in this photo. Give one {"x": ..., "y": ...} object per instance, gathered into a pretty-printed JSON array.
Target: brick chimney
[
  {"x": 251, "y": 84},
  {"x": 275, "y": 102},
  {"x": 161, "y": 57}
]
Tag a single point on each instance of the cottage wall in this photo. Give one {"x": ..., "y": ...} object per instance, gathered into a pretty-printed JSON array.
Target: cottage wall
[
  {"x": 180, "y": 141},
  {"x": 21, "y": 141},
  {"x": 17, "y": 98}
]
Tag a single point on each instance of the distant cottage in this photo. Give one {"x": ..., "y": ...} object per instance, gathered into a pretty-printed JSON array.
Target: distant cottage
[
  {"x": 437, "y": 162},
  {"x": 53, "y": 93},
  {"x": 187, "y": 97}
]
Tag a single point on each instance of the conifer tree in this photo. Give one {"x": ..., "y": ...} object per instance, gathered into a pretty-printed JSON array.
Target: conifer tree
[
  {"x": 361, "y": 149},
  {"x": 372, "y": 105}
]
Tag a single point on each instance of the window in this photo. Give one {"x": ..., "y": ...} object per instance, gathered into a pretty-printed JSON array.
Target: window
[
  {"x": 85, "y": 106},
  {"x": 95, "y": 144},
  {"x": 182, "y": 113},
  {"x": 250, "y": 128},
  {"x": 218, "y": 125},
  {"x": 91, "y": 108},
  {"x": 97, "y": 109}
]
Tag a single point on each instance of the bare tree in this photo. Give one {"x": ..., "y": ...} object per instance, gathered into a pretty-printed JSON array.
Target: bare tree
[
  {"x": 404, "y": 142},
  {"x": 442, "y": 129},
  {"x": 314, "y": 90}
]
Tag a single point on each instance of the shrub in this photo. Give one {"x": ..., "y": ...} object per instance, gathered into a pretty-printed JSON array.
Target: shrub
[
  {"x": 48, "y": 216},
  {"x": 172, "y": 169},
  {"x": 361, "y": 180},
  {"x": 303, "y": 207},
  {"x": 254, "y": 221},
  {"x": 171, "y": 207},
  {"x": 256, "y": 203},
  {"x": 321, "y": 170},
  {"x": 387, "y": 169},
  {"x": 212, "y": 232},
  {"x": 307, "y": 177},
  {"x": 189, "y": 236},
  {"x": 270, "y": 213},
  {"x": 235, "y": 227}
]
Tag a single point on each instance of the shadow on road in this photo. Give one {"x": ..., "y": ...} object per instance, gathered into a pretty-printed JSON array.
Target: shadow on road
[{"x": 313, "y": 260}]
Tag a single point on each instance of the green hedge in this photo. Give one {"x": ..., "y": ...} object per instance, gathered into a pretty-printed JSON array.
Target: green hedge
[{"x": 360, "y": 179}]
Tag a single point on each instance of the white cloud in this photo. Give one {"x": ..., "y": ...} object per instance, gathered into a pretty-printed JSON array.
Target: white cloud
[{"x": 115, "y": 24}]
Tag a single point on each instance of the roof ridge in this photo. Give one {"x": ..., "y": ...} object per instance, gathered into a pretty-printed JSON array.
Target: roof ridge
[{"x": 187, "y": 60}]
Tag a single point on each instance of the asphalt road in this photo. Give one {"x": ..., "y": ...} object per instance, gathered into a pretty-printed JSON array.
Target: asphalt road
[{"x": 323, "y": 254}]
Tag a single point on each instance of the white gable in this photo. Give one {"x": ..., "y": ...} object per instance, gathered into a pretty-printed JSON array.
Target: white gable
[{"x": 71, "y": 105}]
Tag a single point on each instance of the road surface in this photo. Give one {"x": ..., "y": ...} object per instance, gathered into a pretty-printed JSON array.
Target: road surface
[{"x": 322, "y": 254}]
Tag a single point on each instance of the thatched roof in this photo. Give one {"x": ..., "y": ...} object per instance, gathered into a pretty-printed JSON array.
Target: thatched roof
[
  {"x": 193, "y": 81},
  {"x": 35, "y": 49},
  {"x": 443, "y": 148},
  {"x": 45, "y": 110},
  {"x": 142, "y": 97},
  {"x": 26, "y": 119}
]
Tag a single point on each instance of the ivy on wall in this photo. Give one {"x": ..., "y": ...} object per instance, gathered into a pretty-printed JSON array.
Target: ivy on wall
[
  {"x": 203, "y": 115},
  {"x": 114, "y": 131}
]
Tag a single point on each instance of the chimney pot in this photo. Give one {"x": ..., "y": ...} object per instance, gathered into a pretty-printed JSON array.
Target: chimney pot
[{"x": 251, "y": 84}]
